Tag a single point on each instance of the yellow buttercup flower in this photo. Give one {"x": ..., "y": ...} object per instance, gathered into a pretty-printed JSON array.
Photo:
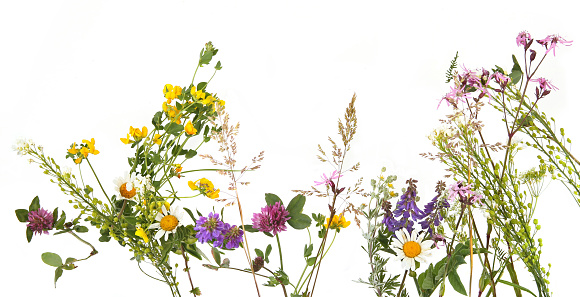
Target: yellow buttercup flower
[
  {"x": 189, "y": 129},
  {"x": 337, "y": 222},
  {"x": 141, "y": 233}
]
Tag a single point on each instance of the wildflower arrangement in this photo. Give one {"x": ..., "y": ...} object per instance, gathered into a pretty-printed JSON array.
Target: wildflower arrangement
[{"x": 482, "y": 209}]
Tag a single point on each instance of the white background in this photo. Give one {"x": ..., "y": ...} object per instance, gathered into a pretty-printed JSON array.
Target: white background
[{"x": 72, "y": 70}]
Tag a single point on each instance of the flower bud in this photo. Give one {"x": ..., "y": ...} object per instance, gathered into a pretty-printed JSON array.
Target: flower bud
[{"x": 257, "y": 264}]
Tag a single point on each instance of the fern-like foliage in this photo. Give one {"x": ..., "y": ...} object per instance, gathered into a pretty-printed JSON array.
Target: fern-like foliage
[{"x": 449, "y": 73}]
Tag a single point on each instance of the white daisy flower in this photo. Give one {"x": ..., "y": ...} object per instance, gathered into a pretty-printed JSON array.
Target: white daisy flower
[
  {"x": 125, "y": 186},
  {"x": 168, "y": 221},
  {"x": 410, "y": 248}
]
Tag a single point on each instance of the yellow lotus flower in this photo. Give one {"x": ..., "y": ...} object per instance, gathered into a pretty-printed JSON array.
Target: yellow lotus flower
[
  {"x": 337, "y": 222},
  {"x": 205, "y": 187},
  {"x": 73, "y": 150},
  {"x": 85, "y": 151},
  {"x": 91, "y": 146},
  {"x": 141, "y": 233},
  {"x": 170, "y": 92},
  {"x": 189, "y": 129},
  {"x": 127, "y": 140},
  {"x": 156, "y": 139}
]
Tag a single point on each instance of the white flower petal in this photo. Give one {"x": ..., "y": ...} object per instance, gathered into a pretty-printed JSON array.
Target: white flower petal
[
  {"x": 154, "y": 226},
  {"x": 159, "y": 233}
]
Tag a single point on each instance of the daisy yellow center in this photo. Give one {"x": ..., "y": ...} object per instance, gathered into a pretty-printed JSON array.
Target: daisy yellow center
[
  {"x": 411, "y": 249},
  {"x": 168, "y": 223},
  {"x": 125, "y": 193}
]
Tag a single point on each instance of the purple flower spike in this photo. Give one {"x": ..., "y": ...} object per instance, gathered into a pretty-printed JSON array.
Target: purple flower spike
[
  {"x": 272, "y": 218},
  {"x": 209, "y": 228},
  {"x": 232, "y": 237},
  {"x": 40, "y": 221}
]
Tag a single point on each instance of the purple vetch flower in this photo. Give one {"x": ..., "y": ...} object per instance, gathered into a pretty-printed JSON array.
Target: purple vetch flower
[
  {"x": 40, "y": 221},
  {"x": 552, "y": 41},
  {"x": 544, "y": 84},
  {"x": 432, "y": 215},
  {"x": 523, "y": 38},
  {"x": 406, "y": 210},
  {"x": 327, "y": 180},
  {"x": 232, "y": 236},
  {"x": 210, "y": 228},
  {"x": 272, "y": 218}
]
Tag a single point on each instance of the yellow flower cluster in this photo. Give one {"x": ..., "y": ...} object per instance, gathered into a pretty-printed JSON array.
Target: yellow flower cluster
[
  {"x": 205, "y": 187},
  {"x": 170, "y": 92},
  {"x": 172, "y": 112},
  {"x": 88, "y": 147},
  {"x": 337, "y": 222},
  {"x": 205, "y": 98},
  {"x": 136, "y": 134}
]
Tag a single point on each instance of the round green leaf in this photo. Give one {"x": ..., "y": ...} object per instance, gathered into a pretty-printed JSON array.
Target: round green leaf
[{"x": 52, "y": 259}]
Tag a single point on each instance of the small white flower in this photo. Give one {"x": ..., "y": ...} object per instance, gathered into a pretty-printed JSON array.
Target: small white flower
[
  {"x": 125, "y": 186},
  {"x": 22, "y": 146},
  {"x": 410, "y": 248},
  {"x": 168, "y": 221},
  {"x": 143, "y": 184}
]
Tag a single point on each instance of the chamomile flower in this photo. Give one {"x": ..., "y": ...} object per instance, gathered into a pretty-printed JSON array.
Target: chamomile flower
[
  {"x": 168, "y": 221},
  {"x": 411, "y": 248},
  {"x": 125, "y": 186}
]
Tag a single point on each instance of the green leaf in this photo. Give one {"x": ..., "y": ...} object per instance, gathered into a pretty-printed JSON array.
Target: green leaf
[
  {"x": 69, "y": 260},
  {"x": 205, "y": 57},
  {"x": 456, "y": 283},
  {"x": 311, "y": 261},
  {"x": 216, "y": 255},
  {"x": 308, "y": 250},
  {"x": 57, "y": 275},
  {"x": 299, "y": 221},
  {"x": 59, "y": 225},
  {"x": 22, "y": 215},
  {"x": 268, "y": 234},
  {"x": 428, "y": 282},
  {"x": 250, "y": 228},
  {"x": 271, "y": 199},
  {"x": 201, "y": 85},
  {"x": 268, "y": 251},
  {"x": 296, "y": 205},
  {"x": 259, "y": 253},
  {"x": 173, "y": 128},
  {"x": 51, "y": 259},
  {"x": 28, "y": 234},
  {"x": 190, "y": 213},
  {"x": 131, "y": 220},
  {"x": 190, "y": 154},
  {"x": 35, "y": 204},
  {"x": 516, "y": 286},
  {"x": 218, "y": 66},
  {"x": 55, "y": 215},
  {"x": 192, "y": 250},
  {"x": 516, "y": 74},
  {"x": 156, "y": 121},
  {"x": 81, "y": 229}
]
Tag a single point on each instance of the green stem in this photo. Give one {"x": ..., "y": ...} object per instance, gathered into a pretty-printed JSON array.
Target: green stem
[
  {"x": 100, "y": 185},
  {"x": 280, "y": 251}
]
